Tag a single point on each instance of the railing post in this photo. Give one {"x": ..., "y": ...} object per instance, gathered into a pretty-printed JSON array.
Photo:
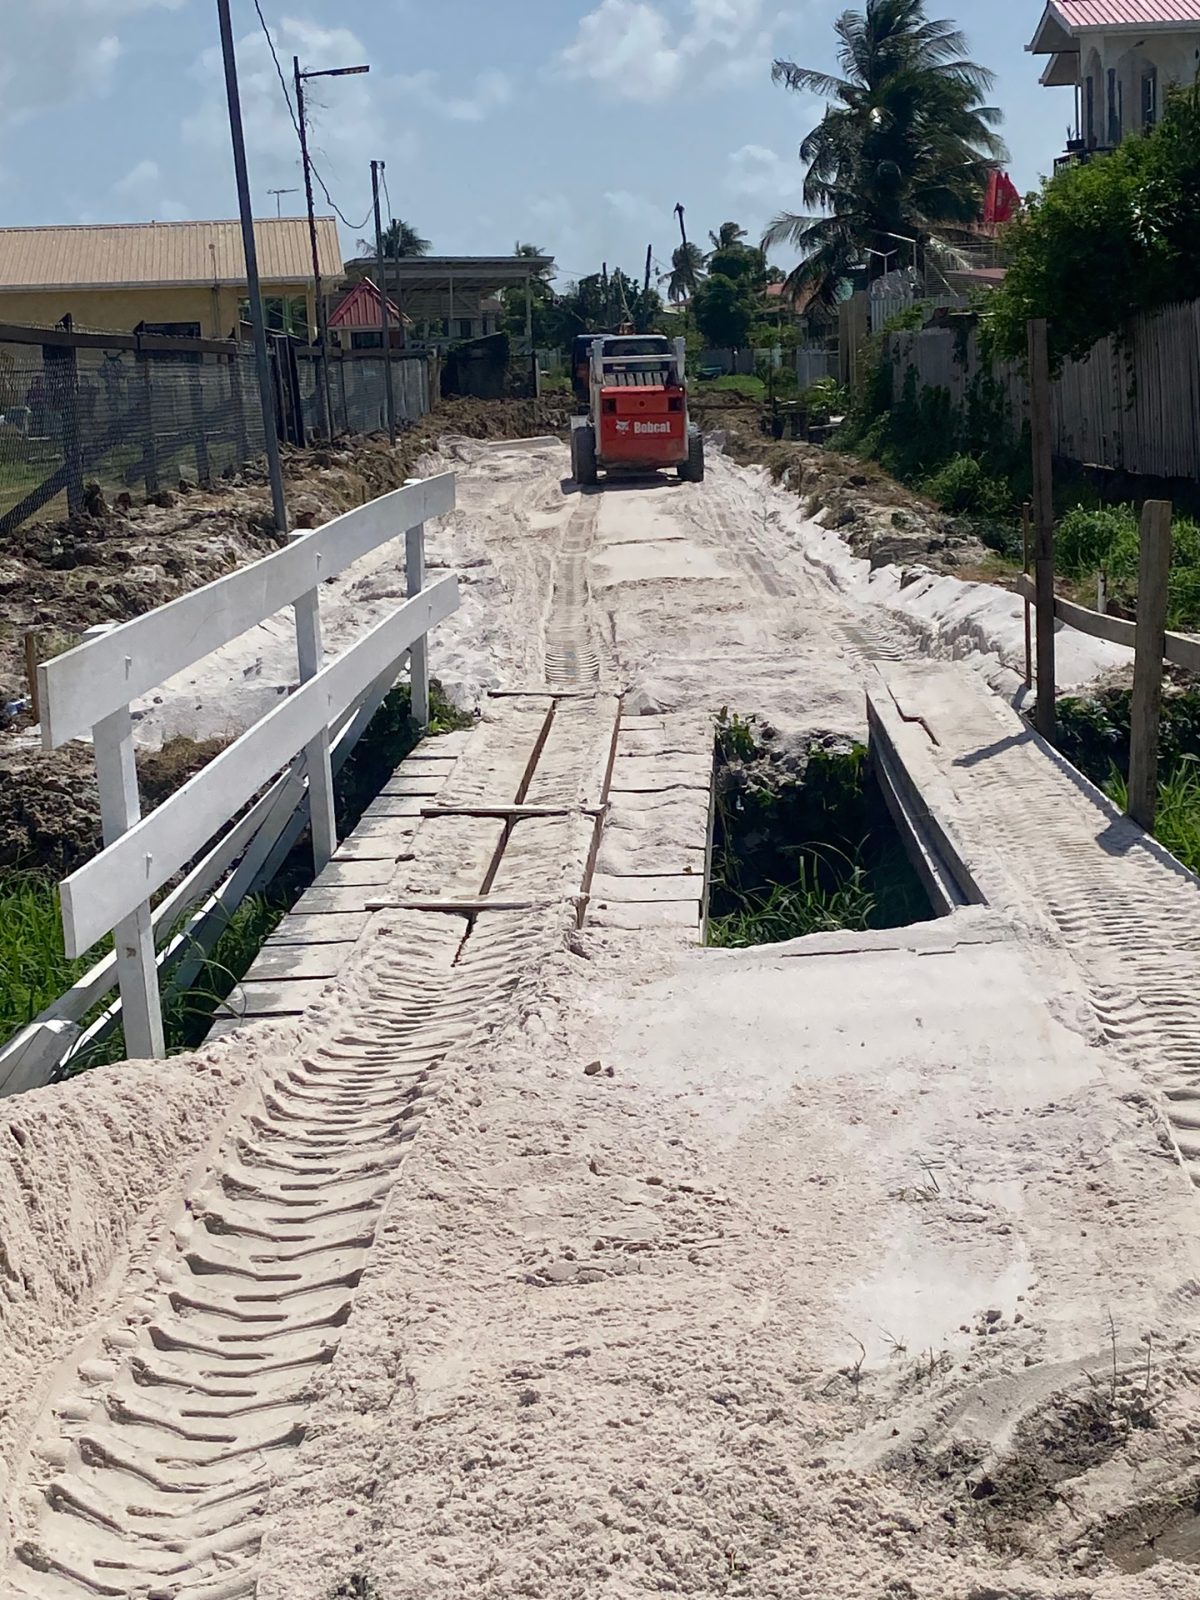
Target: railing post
[
  {"x": 418, "y": 655},
  {"x": 1146, "y": 705},
  {"x": 133, "y": 936},
  {"x": 1041, "y": 423},
  {"x": 311, "y": 658}
]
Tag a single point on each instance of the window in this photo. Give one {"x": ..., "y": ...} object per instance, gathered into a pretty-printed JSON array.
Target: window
[
  {"x": 465, "y": 327},
  {"x": 285, "y": 313},
  {"x": 366, "y": 341},
  {"x": 1149, "y": 97},
  {"x": 1114, "y": 107},
  {"x": 174, "y": 330}
]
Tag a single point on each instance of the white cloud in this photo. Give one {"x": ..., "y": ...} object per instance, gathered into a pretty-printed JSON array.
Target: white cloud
[
  {"x": 59, "y": 51},
  {"x": 632, "y": 207},
  {"x": 646, "y": 49},
  {"x": 138, "y": 179},
  {"x": 491, "y": 91},
  {"x": 626, "y": 47},
  {"x": 762, "y": 175},
  {"x": 346, "y": 125}
]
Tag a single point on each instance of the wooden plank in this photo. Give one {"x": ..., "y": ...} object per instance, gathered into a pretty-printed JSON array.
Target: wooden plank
[
  {"x": 400, "y": 783},
  {"x": 466, "y": 907},
  {"x": 318, "y": 928},
  {"x": 128, "y": 871},
  {"x": 689, "y": 886},
  {"x": 370, "y": 850},
  {"x": 1145, "y": 708},
  {"x": 396, "y": 831},
  {"x": 508, "y": 813},
  {"x": 281, "y": 998},
  {"x": 393, "y": 807},
  {"x": 438, "y": 767},
  {"x": 346, "y": 897},
  {"x": 276, "y": 962},
  {"x": 1178, "y": 648},
  {"x": 682, "y": 914},
  {"x": 345, "y": 874},
  {"x": 442, "y": 746},
  {"x": 84, "y": 685}
]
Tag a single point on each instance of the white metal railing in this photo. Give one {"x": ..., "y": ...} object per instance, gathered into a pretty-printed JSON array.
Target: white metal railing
[{"x": 90, "y": 690}]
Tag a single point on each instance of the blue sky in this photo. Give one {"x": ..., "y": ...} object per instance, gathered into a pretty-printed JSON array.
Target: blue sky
[{"x": 574, "y": 123}]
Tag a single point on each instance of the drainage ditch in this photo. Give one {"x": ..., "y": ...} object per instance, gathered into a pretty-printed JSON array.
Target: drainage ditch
[{"x": 803, "y": 841}]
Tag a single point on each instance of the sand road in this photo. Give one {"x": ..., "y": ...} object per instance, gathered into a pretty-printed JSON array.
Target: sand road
[{"x": 537, "y": 1260}]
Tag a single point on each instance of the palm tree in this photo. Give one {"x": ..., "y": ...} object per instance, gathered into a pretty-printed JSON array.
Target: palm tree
[
  {"x": 903, "y": 151},
  {"x": 727, "y": 235},
  {"x": 400, "y": 239},
  {"x": 687, "y": 268},
  {"x": 530, "y": 252}
]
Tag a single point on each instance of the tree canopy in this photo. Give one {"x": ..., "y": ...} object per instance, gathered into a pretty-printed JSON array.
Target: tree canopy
[
  {"x": 903, "y": 151},
  {"x": 1106, "y": 239},
  {"x": 400, "y": 239}
]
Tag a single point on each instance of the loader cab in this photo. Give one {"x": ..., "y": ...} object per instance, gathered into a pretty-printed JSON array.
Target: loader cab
[{"x": 581, "y": 363}]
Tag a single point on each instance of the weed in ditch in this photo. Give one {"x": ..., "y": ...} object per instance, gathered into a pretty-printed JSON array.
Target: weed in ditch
[
  {"x": 1177, "y": 820},
  {"x": 35, "y": 968},
  {"x": 808, "y": 905}
]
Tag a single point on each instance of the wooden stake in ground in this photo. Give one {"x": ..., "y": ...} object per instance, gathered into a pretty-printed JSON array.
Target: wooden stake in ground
[
  {"x": 32, "y": 640},
  {"x": 1146, "y": 706},
  {"x": 1041, "y": 423}
]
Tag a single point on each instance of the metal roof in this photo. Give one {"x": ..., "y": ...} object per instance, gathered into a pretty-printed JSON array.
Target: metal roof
[
  {"x": 138, "y": 254},
  {"x": 470, "y": 274},
  {"x": 1127, "y": 13},
  {"x": 360, "y": 308}
]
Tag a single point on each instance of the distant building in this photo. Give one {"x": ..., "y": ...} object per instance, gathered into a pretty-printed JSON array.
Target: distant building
[
  {"x": 354, "y": 321},
  {"x": 1120, "y": 57},
  {"x": 181, "y": 278},
  {"x": 446, "y": 299}
]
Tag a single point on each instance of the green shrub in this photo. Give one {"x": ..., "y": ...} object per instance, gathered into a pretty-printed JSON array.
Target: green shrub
[
  {"x": 962, "y": 486},
  {"x": 1102, "y": 540},
  {"x": 825, "y": 399}
]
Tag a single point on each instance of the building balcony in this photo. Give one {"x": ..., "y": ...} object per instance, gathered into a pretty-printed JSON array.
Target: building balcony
[{"x": 1079, "y": 152}]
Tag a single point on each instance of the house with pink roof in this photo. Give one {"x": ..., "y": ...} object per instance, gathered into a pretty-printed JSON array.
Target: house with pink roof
[{"x": 1120, "y": 57}]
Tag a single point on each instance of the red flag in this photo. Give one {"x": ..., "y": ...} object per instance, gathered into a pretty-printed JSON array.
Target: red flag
[{"x": 1002, "y": 199}]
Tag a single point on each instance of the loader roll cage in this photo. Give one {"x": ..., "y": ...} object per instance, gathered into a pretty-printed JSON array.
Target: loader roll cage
[{"x": 637, "y": 362}]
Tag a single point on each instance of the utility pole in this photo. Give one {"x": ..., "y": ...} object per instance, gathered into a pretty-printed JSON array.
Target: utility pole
[
  {"x": 644, "y": 319},
  {"x": 278, "y": 193},
  {"x": 324, "y": 403},
  {"x": 533, "y": 360},
  {"x": 254, "y": 293},
  {"x": 604, "y": 291},
  {"x": 389, "y": 393}
]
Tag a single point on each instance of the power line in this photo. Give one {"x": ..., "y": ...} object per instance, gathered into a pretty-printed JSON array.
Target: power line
[{"x": 354, "y": 227}]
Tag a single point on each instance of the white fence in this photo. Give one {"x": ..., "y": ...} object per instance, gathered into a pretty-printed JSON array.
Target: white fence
[{"x": 89, "y": 690}]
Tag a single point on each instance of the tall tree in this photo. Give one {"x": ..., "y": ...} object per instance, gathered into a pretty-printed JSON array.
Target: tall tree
[
  {"x": 400, "y": 238},
  {"x": 687, "y": 271},
  {"x": 902, "y": 153},
  {"x": 728, "y": 233}
]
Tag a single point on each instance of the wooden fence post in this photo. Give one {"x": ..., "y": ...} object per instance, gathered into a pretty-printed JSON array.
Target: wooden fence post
[
  {"x": 149, "y": 438},
  {"x": 199, "y": 435},
  {"x": 1041, "y": 424},
  {"x": 1025, "y": 543},
  {"x": 1146, "y": 706},
  {"x": 133, "y": 936},
  {"x": 238, "y": 401},
  {"x": 311, "y": 657},
  {"x": 32, "y": 641},
  {"x": 418, "y": 655}
]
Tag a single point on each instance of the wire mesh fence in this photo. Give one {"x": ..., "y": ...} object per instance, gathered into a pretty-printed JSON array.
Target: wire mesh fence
[{"x": 81, "y": 417}]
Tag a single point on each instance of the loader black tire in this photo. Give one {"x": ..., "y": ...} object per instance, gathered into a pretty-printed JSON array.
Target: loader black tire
[
  {"x": 692, "y": 470},
  {"x": 583, "y": 455}
]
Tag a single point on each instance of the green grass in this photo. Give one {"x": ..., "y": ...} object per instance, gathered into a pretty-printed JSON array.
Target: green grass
[
  {"x": 34, "y": 965},
  {"x": 743, "y": 383},
  {"x": 810, "y": 904},
  {"x": 794, "y": 856},
  {"x": 1177, "y": 821}
]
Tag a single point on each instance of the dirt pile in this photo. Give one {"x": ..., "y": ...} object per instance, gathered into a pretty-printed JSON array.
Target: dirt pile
[
  {"x": 880, "y": 520},
  {"x": 118, "y": 561}
]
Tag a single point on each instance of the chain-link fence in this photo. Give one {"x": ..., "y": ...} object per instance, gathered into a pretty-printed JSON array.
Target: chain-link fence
[
  {"x": 129, "y": 421},
  {"x": 136, "y": 416}
]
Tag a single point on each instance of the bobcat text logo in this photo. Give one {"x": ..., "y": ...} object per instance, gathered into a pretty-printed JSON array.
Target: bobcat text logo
[{"x": 652, "y": 427}]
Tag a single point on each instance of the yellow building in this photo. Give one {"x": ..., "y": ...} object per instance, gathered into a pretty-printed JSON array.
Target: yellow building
[{"x": 181, "y": 278}]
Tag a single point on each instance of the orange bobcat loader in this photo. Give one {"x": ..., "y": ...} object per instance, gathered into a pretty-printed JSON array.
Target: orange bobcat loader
[{"x": 637, "y": 417}]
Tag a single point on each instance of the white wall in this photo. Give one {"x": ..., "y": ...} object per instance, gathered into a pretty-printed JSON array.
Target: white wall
[{"x": 1176, "y": 56}]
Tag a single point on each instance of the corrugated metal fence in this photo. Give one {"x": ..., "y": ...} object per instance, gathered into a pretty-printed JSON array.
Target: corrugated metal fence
[{"x": 1132, "y": 403}]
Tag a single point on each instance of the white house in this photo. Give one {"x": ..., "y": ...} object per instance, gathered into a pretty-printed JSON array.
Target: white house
[{"x": 1120, "y": 57}]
